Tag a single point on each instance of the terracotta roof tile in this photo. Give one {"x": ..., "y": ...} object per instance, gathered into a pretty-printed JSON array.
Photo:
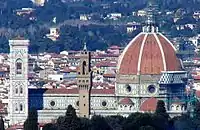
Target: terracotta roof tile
[
  {"x": 172, "y": 62},
  {"x": 75, "y": 91},
  {"x": 107, "y": 63},
  {"x": 109, "y": 75},
  {"x": 156, "y": 54},
  {"x": 130, "y": 59},
  {"x": 197, "y": 94},
  {"x": 149, "y": 104},
  {"x": 126, "y": 101}
]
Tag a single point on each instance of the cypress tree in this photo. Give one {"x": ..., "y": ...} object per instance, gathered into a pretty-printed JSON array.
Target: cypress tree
[
  {"x": 70, "y": 121},
  {"x": 160, "y": 109},
  {"x": 161, "y": 117},
  {"x": 197, "y": 115},
  {"x": 2, "y": 124},
  {"x": 99, "y": 123},
  {"x": 31, "y": 122},
  {"x": 49, "y": 126}
]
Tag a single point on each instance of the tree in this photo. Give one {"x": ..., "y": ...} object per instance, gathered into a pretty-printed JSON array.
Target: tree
[
  {"x": 99, "y": 123},
  {"x": 49, "y": 126},
  {"x": 147, "y": 128},
  {"x": 137, "y": 120},
  {"x": 70, "y": 121},
  {"x": 4, "y": 45},
  {"x": 2, "y": 124},
  {"x": 197, "y": 115},
  {"x": 183, "y": 122},
  {"x": 115, "y": 122},
  {"x": 85, "y": 124},
  {"x": 159, "y": 122},
  {"x": 161, "y": 110},
  {"x": 160, "y": 118},
  {"x": 31, "y": 122}
]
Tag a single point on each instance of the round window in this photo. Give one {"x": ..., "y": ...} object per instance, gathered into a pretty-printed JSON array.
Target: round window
[
  {"x": 128, "y": 88},
  {"x": 77, "y": 103},
  {"x": 151, "y": 88},
  {"x": 52, "y": 103},
  {"x": 104, "y": 103}
]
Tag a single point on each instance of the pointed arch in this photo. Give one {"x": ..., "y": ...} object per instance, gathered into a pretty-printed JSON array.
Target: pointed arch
[
  {"x": 84, "y": 67},
  {"x": 21, "y": 90},
  {"x": 18, "y": 66},
  {"x": 16, "y": 107},
  {"x": 21, "y": 107},
  {"x": 16, "y": 90}
]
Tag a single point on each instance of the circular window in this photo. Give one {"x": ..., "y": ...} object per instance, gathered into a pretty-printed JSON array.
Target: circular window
[
  {"x": 151, "y": 88},
  {"x": 52, "y": 103},
  {"x": 77, "y": 103},
  {"x": 128, "y": 88},
  {"x": 104, "y": 103}
]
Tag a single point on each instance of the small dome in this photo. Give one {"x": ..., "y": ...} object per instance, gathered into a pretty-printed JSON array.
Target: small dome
[
  {"x": 126, "y": 101},
  {"x": 149, "y": 104}
]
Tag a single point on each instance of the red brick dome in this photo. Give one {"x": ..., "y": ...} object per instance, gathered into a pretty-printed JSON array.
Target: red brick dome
[{"x": 148, "y": 53}]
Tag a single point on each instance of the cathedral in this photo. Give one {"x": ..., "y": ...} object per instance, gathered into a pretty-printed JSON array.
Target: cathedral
[{"x": 147, "y": 71}]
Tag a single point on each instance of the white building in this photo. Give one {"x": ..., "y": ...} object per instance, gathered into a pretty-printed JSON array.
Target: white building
[
  {"x": 114, "y": 16},
  {"x": 18, "y": 94},
  {"x": 39, "y": 2},
  {"x": 54, "y": 34},
  {"x": 195, "y": 40},
  {"x": 196, "y": 15},
  {"x": 141, "y": 13},
  {"x": 84, "y": 17}
]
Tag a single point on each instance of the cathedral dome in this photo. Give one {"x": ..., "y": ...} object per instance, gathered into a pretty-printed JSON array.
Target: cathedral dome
[{"x": 148, "y": 53}]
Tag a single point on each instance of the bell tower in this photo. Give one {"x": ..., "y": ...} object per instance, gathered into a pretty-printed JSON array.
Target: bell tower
[
  {"x": 18, "y": 94},
  {"x": 84, "y": 83}
]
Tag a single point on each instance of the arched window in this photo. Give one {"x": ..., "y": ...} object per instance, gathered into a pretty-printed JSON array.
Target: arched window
[
  {"x": 130, "y": 107},
  {"x": 21, "y": 90},
  {"x": 84, "y": 67},
  {"x": 16, "y": 90},
  {"x": 128, "y": 88},
  {"x": 177, "y": 107},
  {"x": 18, "y": 66},
  {"x": 16, "y": 107},
  {"x": 172, "y": 107},
  {"x": 21, "y": 107}
]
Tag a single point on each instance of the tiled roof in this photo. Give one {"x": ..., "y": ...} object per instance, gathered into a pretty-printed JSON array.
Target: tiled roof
[
  {"x": 126, "y": 101},
  {"x": 109, "y": 55},
  {"x": 109, "y": 75},
  {"x": 75, "y": 91},
  {"x": 20, "y": 126},
  {"x": 198, "y": 93},
  {"x": 148, "y": 54},
  {"x": 67, "y": 70},
  {"x": 106, "y": 63},
  {"x": 149, "y": 104},
  {"x": 15, "y": 127},
  {"x": 196, "y": 77}
]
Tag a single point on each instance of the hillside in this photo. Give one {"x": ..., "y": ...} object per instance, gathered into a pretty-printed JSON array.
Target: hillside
[{"x": 98, "y": 32}]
